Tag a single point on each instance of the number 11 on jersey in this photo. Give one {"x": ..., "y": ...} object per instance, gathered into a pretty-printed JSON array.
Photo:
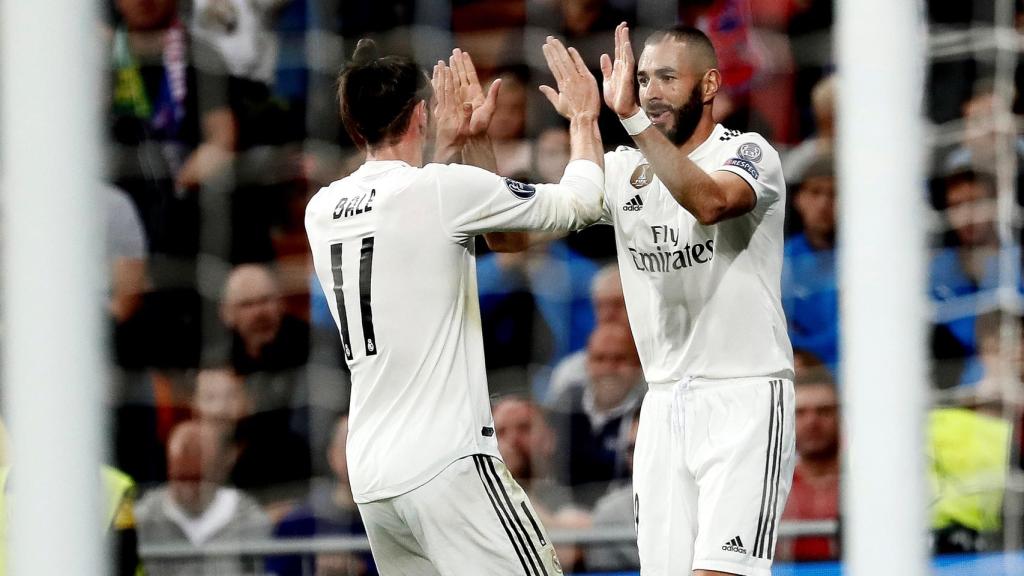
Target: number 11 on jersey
[{"x": 363, "y": 281}]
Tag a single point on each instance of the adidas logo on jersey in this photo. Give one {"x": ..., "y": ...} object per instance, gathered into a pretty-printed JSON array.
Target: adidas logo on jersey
[
  {"x": 735, "y": 545},
  {"x": 635, "y": 204}
]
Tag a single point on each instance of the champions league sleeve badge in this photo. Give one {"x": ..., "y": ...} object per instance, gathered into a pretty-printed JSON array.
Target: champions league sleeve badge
[
  {"x": 749, "y": 151},
  {"x": 521, "y": 190}
]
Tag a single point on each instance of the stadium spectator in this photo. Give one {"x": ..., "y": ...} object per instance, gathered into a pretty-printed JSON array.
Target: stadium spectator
[
  {"x": 968, "y": 452},
  {"x": 148, "y": 404},
  {"x": 585, "y": 22},
  {"x": 1001, "y": 390},
  {"x": 126, "y": 255},
  {"x": 272, "y": 462},
  {"x": 241, "y": 32},
  {"x": 512, "y": 149},
  {"x": 196, "y": 508},
  {"x": 557, "y": 279},
  {"x": 983, "y": 138},
  {"x": 810, "y": 293},
  {"x": 268, "y": 346},
  {"x": 517, "y": 337},
  {"x": 815, "y": 492},
  {"x": 1001, "y": 382},
  {"x": 264, "y": 338},
  {"x": 609, "y": 307},
  {"x": 742, "y": 61},
  {"x": 965, "y": 272},
  {"x": 615, "y": 510},
  {"x": 220, "y": 399},
  {"x": 551, "y": 153},
  {"x": 172, "y": 132},
  {"x": 329, "y": 510},
  {"x": 590, "y": 422},
  {"x": 540, "y": 294},
  {"x": 490, "y": 30},
  {"x": 796, "y": 161},
  {"x": 527, "y": 444}
]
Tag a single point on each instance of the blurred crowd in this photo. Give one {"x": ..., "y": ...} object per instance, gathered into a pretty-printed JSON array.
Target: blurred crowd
[{"x": 230, "y": 392}]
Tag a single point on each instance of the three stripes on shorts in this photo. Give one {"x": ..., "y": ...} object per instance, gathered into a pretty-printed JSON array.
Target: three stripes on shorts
[
  {"x": 764, "y": 542},
  {"x": 517, "y": 532}
]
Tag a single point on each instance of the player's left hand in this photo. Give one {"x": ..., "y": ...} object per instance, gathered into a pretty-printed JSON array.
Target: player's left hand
[
  {"x": 470, "y": 91},
  {"x": 577, "y": 89}
]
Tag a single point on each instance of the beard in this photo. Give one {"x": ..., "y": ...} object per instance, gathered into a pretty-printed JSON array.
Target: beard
[{"x": 686, "y": 116}]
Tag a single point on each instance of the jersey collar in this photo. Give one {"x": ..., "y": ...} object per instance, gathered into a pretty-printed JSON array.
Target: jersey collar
[
  {"x": 378, "y": 166},
  {"x": 708, "y": 144}
]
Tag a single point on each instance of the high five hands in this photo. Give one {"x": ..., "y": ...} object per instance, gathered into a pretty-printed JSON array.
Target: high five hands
[
  {"x": 461, "y": 109},
  {"x": 618, "y": 75},
  {"x": 577, "y": 93}
]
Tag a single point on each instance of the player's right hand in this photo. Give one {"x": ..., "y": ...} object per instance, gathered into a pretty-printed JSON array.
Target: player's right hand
[
  {"x": 618, "y": 75},
  {"x": 577, "y": 93},
  {"x": 451, "y": 115}
]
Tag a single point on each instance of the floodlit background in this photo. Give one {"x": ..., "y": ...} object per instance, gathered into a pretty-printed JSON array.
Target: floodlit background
[{"x": 226, "y": 389}]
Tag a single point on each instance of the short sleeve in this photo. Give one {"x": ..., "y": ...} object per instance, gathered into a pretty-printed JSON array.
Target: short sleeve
[
  {"x": 125, "y": 236},
  {"x": 212, "y": 82},
  {"x": 756, "y": 161},
  {"x": 474, "y": 201}
]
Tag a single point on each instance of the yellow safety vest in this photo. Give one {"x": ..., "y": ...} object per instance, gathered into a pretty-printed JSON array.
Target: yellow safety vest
[
  {"x": 120, "y": 491},
  {"x": 968, "y": 463}
]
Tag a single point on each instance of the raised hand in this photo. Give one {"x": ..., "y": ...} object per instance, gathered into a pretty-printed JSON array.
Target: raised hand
[
  {"x": 470, "y": 92},
  {"x": 618, "y": 75},
  {"x": 450, "y": 115},
  {"x": 577, "y": 89}
]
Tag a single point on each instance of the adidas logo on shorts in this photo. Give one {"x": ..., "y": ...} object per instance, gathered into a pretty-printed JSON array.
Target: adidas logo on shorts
[
  {"x": 735, "y": 545},
  {"x": 635, "y": 204}
]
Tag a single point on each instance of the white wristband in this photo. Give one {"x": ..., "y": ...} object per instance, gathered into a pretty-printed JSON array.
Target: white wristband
[{"x": 636, "y": 123}]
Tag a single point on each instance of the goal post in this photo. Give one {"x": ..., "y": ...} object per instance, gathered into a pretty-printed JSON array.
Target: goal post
[
  {"x": 53, "y": 290},
  {"x": 882, "y": 259}
]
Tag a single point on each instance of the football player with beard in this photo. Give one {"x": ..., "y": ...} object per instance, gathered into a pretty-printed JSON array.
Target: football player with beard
[{"x": 698, "y": 213}]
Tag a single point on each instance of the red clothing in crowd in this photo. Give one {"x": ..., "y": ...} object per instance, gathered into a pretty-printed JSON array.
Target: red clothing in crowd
[{"x": 812, "y": 498}]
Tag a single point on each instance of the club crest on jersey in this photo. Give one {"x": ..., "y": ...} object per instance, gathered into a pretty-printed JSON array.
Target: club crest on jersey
[
  {"x": 749, "y": 151},
  {"x": 743, "y": 165},
  {"x": 520, "y": 189},
  {"x": 642, "y": 176}
]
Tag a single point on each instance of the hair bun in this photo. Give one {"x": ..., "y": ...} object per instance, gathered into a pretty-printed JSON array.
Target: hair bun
[{"x": 366, "y": 51}]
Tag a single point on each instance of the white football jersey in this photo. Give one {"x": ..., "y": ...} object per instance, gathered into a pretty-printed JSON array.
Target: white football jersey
[
  {"x": 703, "y": 301},
  {"x": 393, "y": 249}
]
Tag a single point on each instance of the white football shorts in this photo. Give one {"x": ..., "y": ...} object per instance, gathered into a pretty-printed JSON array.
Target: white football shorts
[
  {"x": 711, "y": 473},
  {"x": 471, "y": 519}
]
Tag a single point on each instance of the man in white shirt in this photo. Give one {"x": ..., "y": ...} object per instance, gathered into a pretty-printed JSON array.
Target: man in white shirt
[
  {"x": 698, "y": 213},
  {"x": 195, "y": 507},
  {"x": 393, "y": 248}
]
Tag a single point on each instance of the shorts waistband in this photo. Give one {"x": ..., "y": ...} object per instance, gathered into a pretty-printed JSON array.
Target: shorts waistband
[{"x": 703, "y": 383}]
